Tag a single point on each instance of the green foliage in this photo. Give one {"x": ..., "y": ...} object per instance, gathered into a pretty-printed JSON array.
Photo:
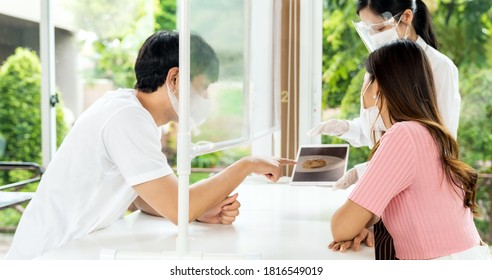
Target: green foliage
[
  {"x": 350, "y": 107},
  {"x": 165, "y": 15},
  {"x": 119, "y": 32},
  {"x": 475, "y": 130},
  {"x": 107, "y": 19},
  {"x": 3, "y": 143},
  {"x": 483, "y": 200},
  {"x": 197, "y": 176},
  {"x": 20, "y": 118},
  {"x": 115, "y": 63},
  {"x": 463, "y": 29},
  {"x": 207, "y": 160},
  {"x": 20, "y": 83},
  {"x": 343, "y": 51},
  {"x": 9, "y": 217},
  {"x": 115, "y": 32}
]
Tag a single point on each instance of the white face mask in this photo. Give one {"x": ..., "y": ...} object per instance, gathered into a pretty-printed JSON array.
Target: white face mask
[
  {"x": 373, "y": 39},
  {"x": 373, "y": 124},
  {"x": 173, "y": 99},
  {"x": 373, "y": 118},
  {"x": 382, "y": 38},
  {"x": 200, "y": 106}
]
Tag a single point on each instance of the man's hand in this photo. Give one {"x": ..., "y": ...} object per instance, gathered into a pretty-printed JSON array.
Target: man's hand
[
  {"x": 270, "y": 167},
  {"x": 366, "y": 236},
  {"x": 223, "y": 213}
]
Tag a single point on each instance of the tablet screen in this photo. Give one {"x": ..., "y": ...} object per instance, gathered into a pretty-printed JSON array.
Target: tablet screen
[{"x": 320, "y": 164}]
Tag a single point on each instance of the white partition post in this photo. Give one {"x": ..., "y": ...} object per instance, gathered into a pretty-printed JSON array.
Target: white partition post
[
  {"x": 184, "y": 135},
  {"x": 48, "y": 96}
]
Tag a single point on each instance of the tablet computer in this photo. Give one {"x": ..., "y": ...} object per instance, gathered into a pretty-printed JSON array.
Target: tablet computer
[{"x": 320, "y": 165}]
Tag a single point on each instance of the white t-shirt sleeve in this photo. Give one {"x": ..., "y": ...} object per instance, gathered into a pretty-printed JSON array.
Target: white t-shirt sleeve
[{"x": 132, "y": 141}]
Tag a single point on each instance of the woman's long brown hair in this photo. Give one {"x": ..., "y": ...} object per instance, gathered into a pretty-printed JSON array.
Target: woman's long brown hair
[{"x": 406, "y": 86}]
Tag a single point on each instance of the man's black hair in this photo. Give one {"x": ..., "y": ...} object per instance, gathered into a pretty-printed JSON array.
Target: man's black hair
[{"x": 160, "y": 52}]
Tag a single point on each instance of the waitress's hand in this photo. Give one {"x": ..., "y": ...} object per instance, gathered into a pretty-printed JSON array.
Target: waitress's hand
[
  {"x": 347, "y": 180},
  {"x": 332, "y": 127}
]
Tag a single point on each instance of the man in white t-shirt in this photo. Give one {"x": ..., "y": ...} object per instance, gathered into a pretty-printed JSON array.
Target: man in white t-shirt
[{"x": 112, "y": 157}]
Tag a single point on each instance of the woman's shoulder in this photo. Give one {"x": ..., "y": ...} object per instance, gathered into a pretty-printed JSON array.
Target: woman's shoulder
[
  {"x": 406, "y": 135},
  {"x": 407, "y": 130},
  {"x": 407, "y": 126}
]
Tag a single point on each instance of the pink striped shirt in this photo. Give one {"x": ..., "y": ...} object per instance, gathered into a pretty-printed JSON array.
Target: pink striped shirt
[{"x": 405, "y": 185}]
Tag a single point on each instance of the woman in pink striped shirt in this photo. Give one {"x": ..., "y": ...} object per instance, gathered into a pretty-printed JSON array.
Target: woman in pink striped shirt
[{"x": 415, "y": 181}]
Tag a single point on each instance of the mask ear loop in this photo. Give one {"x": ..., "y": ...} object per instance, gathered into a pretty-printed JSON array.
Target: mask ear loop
[
  {"x": 376, "y": 97},
  {"x": 373, "y": 134},
  {"x": 364, "y": 92}
]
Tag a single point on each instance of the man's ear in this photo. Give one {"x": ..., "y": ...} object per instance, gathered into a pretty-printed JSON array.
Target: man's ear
[{"x": 173, "y": 78}]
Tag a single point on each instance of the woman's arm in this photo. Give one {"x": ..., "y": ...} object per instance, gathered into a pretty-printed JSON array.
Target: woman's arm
[{"x": 350, "y": 220}]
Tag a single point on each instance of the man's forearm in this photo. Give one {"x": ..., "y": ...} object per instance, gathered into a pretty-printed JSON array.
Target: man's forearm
[
  {"x": 209, "y": 192},
  {"x": 144, "y": 207}
]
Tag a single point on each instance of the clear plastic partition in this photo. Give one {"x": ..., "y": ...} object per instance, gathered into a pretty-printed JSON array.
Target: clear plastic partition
[
  {"x": 264, "y": 68},
  {"x": 233, "y": 100}
]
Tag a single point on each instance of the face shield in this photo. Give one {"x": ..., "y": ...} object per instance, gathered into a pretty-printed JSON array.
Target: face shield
[{"x": 377, "y": 34}]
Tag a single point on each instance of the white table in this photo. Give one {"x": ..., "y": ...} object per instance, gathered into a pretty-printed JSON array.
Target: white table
[{"x": 276, "y": 222}]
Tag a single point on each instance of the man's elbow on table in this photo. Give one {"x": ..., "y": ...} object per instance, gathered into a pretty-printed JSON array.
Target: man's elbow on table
[{"x": 140, "y": 204}]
